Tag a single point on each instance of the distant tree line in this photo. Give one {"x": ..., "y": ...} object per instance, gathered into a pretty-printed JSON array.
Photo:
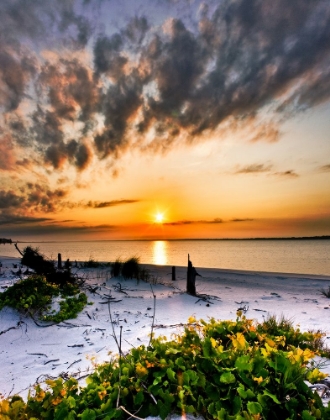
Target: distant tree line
[{"x": 5, "y": 241}]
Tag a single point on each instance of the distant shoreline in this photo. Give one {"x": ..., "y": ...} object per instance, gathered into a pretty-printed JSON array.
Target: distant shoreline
[{"x": 286, "y": 238}]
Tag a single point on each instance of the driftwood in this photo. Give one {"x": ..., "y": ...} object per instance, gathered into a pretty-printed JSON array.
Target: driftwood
[
  {"x": 191, "y": 278},
  {"x": 19, "y": 323}
]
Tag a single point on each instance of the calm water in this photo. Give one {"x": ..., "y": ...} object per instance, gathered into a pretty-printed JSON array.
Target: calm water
[{"x": 294, "y": 256}]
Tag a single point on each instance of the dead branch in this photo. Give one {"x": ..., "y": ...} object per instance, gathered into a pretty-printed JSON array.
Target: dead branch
[
  {"x": 50, "y": 361},
  {"x": 19, "y": 323},
  {"x": 76, "y": 361},
  {"x": 153, "y": 317},
  {"x": 176, "y": 325},
  {"x": 130, "y": 414}
]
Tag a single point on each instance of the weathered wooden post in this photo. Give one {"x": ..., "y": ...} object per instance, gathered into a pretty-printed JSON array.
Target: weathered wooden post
[
  {"x": 59, "y": 261},
  {"x": 191, "y": 278},
  {"x": 173, "y": 273}
]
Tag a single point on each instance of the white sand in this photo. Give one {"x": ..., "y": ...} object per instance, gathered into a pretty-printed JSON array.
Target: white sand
[{"x": 29, "y": 353}]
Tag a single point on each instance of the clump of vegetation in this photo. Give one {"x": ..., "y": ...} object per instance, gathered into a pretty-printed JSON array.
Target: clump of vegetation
[
  {"x": 131, "y": 268},
  {"x": 70, "y": 307},
  {"x": 116, "y": 268},
  {"x": 34, "y": 296},
  {"x": 91, "y": 263},
  {"x": 32, "y": 258},
  {"x": 326, "y": 292},
  {"x": 218, "y": 369}
]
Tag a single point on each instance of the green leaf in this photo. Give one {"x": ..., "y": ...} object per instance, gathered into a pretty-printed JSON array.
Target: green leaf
[
  {"x": 139, "y": 398},
  {"x": 172, "y": 350},
  {"x": 190, "y": 376},
  {"x": 61, "y": 412},
  {"x": 306, "y": 416},
  {"x": 171, "y": 375},
  {"x": 88, "y": 414},
  {"x": 272, "y": 396},
  {"x": 207, "y": 347},
  {"x": 211, "y": 409},
  {"x": 227, "y": 378},
  {"x": 254, "y": 407},
  {"x": 237, "y": 404},
  {"x": 241, "y": 392},
  {"x": 243, "y": 363}
]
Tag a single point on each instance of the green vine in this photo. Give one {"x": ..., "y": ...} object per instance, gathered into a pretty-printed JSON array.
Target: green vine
[
  {"x": 218, "y": 369},
  {"x": 34, "y": 296}
]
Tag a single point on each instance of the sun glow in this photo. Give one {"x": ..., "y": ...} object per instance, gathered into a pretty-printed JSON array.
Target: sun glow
[{"x": 159, "y": 217}]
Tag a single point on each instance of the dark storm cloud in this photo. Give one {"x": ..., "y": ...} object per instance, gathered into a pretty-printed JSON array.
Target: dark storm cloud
[
  {"x": 10, "y": 199},
  {"x": 155, "y": 85},
  {"x": 15, "y": 72},
  {"x": 118, "y": 105},
  {"x": 17, "y": 207},
  {"x": 32, "y": 197}
]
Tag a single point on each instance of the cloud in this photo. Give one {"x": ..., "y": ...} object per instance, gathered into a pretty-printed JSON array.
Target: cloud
[
  {"x": 215, "y": 221},
  {"x": 153, "y": 84},
  {"x": 10, "y": 199},
  {"x": 7, "y": 153},
  {"x": 325, "y": 168},
  {"x": 289, "y": 174},
  {"x": 26, "y": 203},
  {"x": 254, "y": 168},
  {"x": 104, "y": 204},
  {"x": 241, "y": 220},
  {"x": 10, "y": 219},
  {"x": 31, "y": 198}
]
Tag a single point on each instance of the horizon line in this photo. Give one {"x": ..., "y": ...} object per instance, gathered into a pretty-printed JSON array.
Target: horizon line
[{"x": 322, "y": 237}]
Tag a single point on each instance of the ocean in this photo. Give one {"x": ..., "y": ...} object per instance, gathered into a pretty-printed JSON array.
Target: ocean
[{"x": 284, "y": 256}]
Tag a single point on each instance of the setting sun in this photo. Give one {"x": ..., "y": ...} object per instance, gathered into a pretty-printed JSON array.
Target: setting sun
[{"x": 159, "y": 218}]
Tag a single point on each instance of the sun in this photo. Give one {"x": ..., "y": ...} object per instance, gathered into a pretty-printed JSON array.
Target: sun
[{"x": 159, "y": 217}]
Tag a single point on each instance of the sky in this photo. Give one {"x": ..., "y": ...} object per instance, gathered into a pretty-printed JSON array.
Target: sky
[{"x": 164, "y": 119}]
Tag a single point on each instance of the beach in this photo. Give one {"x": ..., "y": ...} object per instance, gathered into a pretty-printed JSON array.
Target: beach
[{"x": 30, "y": 354}]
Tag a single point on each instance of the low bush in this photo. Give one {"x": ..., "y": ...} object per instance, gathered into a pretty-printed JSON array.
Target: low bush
[
  {"x": 131, "y": 268},
  {"x": 32, "y": 258},
  {"x": 34, "y": 297},
  {"x": 218, "y": 369}
]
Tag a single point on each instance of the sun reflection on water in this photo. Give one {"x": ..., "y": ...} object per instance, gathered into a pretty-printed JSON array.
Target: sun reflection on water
[{"x": 159, "y": 254}]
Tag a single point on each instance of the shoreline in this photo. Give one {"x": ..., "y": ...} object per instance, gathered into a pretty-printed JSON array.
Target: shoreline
[{"x": 305, "y": 276}]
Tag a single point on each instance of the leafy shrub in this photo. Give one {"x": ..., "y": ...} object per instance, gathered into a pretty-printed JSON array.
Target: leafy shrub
[
  {"x": 217, "y": 369},
  {"x": 31, "y": 295},
  {"x": 34, "y": 295},
  {"x": 69, "y": 308},
  {"x": 131, "y": 269}
]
